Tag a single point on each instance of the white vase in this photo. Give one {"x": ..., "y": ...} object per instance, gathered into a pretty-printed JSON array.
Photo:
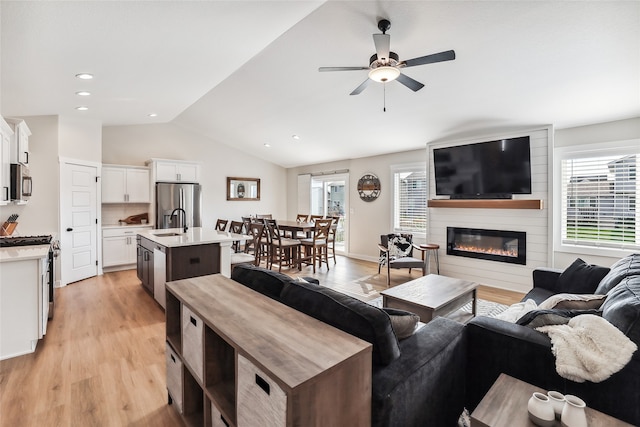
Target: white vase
[
  {"x": 573, "y": 413},
  {"x": 557, "y": 401},
  {"x": 540, "y": 410}
]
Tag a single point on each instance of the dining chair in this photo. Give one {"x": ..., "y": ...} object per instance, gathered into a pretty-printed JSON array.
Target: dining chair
[
  {"x": 281, "y": 250},
  {"x": 256, "y": 230},
  {"x": 246, "y": 222},
  {"x": 396, "y": 251},
  {"x": 313, "y": 218},
  {"x": 221, "y": 224},
  {"x": 255, "y": 245},
  {"x": 316, "y": 246},
  {"x": 302, "y": 217},
  {"x": 236, "y": 227},
  {"x": 333, "y": 231}
]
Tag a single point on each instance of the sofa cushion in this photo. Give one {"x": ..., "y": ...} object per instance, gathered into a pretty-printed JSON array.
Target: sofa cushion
[
  {"x": 572, "y": 301},
  {"x": 267, "y": 282},
  {"x": 622, "y": 307},
  {"x": 348, "y": 314},
  {"x": 581, "y": 278},
  {"x": 536, "y": 318},
  {"x": 627, "y": 266}
]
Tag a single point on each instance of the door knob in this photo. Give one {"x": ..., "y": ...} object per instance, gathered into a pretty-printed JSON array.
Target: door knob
[{"x": 69, "y": 229}]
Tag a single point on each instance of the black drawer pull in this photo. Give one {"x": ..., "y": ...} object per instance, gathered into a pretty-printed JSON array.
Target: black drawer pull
[
  {"x": 173, "y": 358},
  {"x": 263, "y": 384},
  {"x": 224, "y": 421},
  {"x": 193, "y": 320},
  {"x": 194, "y": 260}
]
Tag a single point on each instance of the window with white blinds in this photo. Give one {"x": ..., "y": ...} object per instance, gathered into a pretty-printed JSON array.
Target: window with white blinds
[
  {"x": 599, "y": 199},
  {"x": 409, "y": 199}
]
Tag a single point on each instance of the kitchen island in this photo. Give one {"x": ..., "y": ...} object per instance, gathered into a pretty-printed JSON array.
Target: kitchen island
[{"x": 168, "y": 254}]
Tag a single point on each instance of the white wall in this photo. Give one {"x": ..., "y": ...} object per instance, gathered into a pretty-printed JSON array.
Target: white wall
[
  {"x": 366, "y": 220},
  {"x": 133, "y": 145},
  {"x": 80, "y": 138},
  {"x": 40, "y": 215},
  {"x": 533, "y": 222},
  {"x": 620, "y": 130}
]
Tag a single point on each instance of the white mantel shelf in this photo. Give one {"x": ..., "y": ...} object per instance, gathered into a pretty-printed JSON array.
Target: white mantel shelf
[{"x": 487, "y": 203}]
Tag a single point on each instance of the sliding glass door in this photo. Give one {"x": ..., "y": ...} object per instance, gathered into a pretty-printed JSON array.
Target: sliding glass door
[{"x": 330, "y": 197}]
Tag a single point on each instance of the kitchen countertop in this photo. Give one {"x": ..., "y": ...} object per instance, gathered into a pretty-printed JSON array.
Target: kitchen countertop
[
  {"x": 193, "y": 236},
  {"x": 106, "y": 226},
  {"x": 23, "y": 253}
]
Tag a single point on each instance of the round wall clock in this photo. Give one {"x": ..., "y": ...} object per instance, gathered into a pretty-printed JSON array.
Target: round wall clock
[{"x": 369, "y": 187}]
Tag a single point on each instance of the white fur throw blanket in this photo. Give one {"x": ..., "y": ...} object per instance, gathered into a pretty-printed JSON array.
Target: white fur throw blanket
[{"x": 589, "y": 348}]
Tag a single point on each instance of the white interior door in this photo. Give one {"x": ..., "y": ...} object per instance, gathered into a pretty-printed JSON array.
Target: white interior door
[{"x": 78, "y": 222}]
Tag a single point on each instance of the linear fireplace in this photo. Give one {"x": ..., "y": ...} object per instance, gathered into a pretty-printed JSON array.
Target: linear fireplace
[{"x": 493, "y": 245}]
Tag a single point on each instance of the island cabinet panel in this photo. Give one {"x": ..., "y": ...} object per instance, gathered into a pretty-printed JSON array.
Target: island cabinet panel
[
  {"x": 191, "y": 261},
  {"x": 263, "y": 363}
]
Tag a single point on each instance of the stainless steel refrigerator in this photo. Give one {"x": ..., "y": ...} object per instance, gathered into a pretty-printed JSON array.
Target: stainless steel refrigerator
[{"x": 172, "y": 196}]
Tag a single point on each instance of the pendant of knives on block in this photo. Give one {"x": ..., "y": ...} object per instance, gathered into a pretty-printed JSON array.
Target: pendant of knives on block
[{"x": 9, "y": 225}]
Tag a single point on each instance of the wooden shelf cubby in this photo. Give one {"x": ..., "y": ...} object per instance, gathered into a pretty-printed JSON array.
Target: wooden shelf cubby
[
  {"x": 263, "y": 363},
  {"x": 486, "y": 203}
]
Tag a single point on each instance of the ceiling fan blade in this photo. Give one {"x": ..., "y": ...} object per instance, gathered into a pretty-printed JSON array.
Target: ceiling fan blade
[
  {"x": 360, "y": 88},
  {"x": 412, "y": 84},
  {"x": 429, "y": 59},
  {"x": 382, "y": 42},
  {"x": 342, "y": 68}
]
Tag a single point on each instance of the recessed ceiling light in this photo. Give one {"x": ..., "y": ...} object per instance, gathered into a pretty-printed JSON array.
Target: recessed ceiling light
[
  {"x": 82, "y": 108},
  {"x": 296, "y": 137},
  {"x": 153, "y": 115},
  {"x": 84, "y": 76},
  {"x": 267, "y": 145},
  {"x": 83, "y": 93}
]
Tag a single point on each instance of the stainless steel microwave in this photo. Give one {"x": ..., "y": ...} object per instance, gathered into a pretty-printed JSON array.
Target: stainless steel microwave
[{"x": 21, "y": 183}]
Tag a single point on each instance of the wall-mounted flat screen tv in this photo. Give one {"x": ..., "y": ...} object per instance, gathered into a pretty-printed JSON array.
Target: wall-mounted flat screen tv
[{"x": 487, "y": 170}]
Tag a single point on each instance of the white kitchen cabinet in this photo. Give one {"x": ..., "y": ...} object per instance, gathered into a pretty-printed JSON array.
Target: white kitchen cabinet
[
  {"x": 119, "y": 245},
  {"x": 175, "y": 171},
  {"x": 20, "y": 141},
  {"x": 24, "y": 299},
  {"x": 122, "y": 184},
  {"x": 6, "y": 134}
]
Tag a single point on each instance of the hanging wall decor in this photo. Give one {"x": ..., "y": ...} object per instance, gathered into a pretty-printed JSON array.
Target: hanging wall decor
[{"x": 369, "y": 187}]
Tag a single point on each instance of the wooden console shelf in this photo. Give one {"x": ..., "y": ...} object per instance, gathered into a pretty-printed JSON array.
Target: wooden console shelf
[
  {"x": 486, "y": 203},
  {"x": 237, "y": 358}
]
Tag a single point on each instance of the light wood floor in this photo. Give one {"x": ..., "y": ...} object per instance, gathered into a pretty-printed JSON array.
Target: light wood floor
[{"x": 102, "y": 361}]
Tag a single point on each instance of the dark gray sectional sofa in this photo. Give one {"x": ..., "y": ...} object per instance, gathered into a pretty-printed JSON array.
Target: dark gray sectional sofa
[
  {"x": 418, "y": 381},
  {"x": 496, "y": 346}
]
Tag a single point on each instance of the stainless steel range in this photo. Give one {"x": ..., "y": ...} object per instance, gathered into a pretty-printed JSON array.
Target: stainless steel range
[{"x": 12, "y": 241}]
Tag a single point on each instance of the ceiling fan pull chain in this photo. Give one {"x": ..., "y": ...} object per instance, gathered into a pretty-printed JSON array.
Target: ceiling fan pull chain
[{"x": 384, "y": 97}]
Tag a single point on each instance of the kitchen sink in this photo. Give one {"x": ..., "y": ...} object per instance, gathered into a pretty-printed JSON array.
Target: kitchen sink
[{"x": 167, "y": 234}]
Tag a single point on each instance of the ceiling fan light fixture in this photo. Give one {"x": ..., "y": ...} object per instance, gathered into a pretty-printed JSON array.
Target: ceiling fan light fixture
[{"x": 384, "y": 74}]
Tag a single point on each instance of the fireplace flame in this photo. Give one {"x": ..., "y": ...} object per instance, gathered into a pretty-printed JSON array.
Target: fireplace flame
[{"x": 489, "y": 251}]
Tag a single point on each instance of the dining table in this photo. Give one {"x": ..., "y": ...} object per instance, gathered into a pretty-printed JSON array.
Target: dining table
[{"x": 293, "y": 227}]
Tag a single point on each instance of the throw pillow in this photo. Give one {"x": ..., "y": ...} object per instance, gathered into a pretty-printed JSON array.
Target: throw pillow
[
  {"x": 537, "y": 318},
  {"x": 573, "y": 301},
  {"x": 403, "y": 322},
  {"x": 399, "y": 246},
  {"x": 581, "y": 278}
]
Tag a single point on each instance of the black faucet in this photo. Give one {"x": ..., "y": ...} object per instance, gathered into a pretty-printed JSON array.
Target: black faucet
[{"x": 184, "y": 216}]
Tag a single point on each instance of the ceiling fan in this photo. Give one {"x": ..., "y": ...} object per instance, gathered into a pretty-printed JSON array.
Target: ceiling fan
[{"x": 384, "y": 65}]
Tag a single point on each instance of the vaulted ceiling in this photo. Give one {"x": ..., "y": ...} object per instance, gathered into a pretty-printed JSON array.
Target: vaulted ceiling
[{"x": 246, "y": 73}]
